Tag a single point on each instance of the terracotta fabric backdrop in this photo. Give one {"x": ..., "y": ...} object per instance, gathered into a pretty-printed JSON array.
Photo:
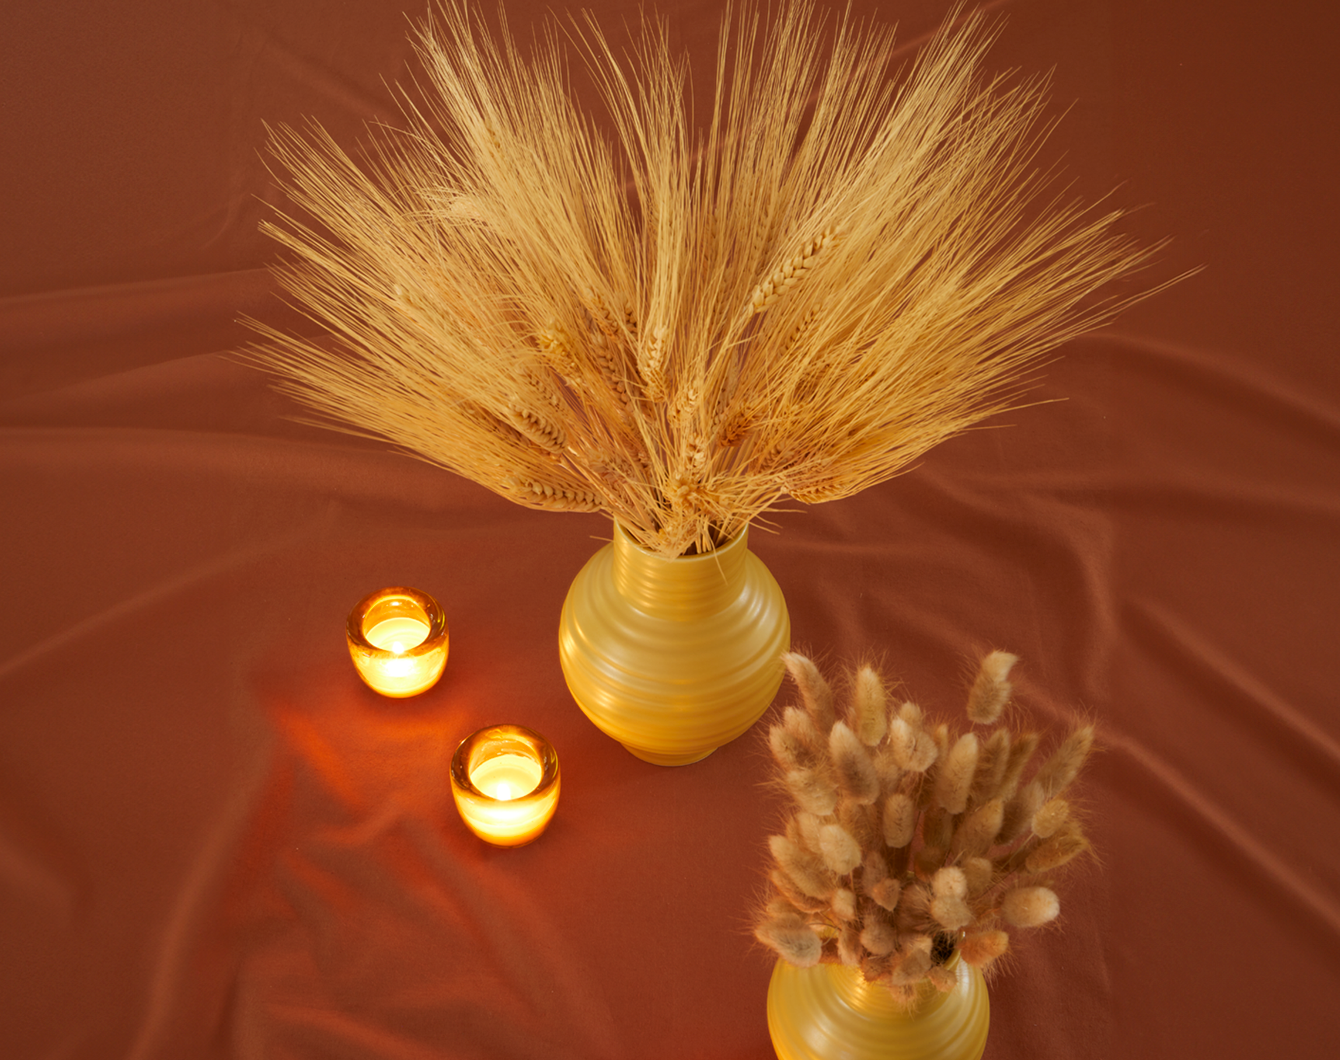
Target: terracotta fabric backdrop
[{"x": 215, "y": 842}]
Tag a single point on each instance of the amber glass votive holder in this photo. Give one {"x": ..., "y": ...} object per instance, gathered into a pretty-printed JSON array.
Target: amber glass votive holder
[
  {"x": 505, "y": 782},
  {"x": 398, "y": 641}
]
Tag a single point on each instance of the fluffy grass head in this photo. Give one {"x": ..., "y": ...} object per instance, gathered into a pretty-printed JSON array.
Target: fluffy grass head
[{"x": 901, "y": 868}]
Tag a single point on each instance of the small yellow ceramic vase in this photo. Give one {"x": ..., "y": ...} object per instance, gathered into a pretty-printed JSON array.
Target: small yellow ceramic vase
[
  {"x": 673, "y": 657},
  {"x": 829, "y": 1012}
]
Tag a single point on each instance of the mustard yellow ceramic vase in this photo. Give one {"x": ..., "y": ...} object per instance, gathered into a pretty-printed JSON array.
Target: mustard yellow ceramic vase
[
  {"x": 673, "y": 657},
  {"x": 829, "y": 1012}
]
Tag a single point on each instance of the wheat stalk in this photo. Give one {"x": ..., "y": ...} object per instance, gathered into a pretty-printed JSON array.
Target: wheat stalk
[{"x": 832, "y": 277}]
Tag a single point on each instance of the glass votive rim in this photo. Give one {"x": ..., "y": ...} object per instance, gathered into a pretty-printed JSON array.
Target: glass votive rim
[
  {"x": 500, "y": 740},
  {"x": 397, "y": 601}
]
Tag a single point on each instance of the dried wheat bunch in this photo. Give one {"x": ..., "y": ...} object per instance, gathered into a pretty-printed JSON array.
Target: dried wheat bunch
[
  {"x": 682, "y": 327},
  {"x": 909, "y": 841}
]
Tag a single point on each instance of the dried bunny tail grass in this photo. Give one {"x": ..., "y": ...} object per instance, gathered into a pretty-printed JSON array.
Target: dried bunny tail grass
[
  {"x": 925, "y": 752},
  {"x": 794, "y": 895},
  {"x": 869, "y": 703},
  {"x": 893, "y": 868},
  {"x": 792, "y": 939},
  {"x": 913, "y": 749},
  {"x": 941, "y": 736},
  {"x": 1056, "y": 774},
  {"x": 805, "y": 870},
  {"x": 953, "y": 777},
  {"x": 991, "y": 691},
  {"x": 876, "y": 969},
  {"x": 949, "y": 882},
  {"x": 841, "y": 852},
  {"x": 914, "y": 785},
  {"x": 801, "y": 728},
  {"x": 788, "y": 751},
  {"x": 900, "y": 820},
  {"x": 937, "y": 828},
  {"x": 887, "y": 769},
  {"x": 781, "y": 907},
  {"x": 1050, "y": 817},
  {"x": 903, "y": 995},
  {"x": 942, "y": 978},
  {"x": 812, "y": 791},
  {"x": 902, "y": 742},
  {"x": 873, "y": 869},
  {"x": 1019, "y": 811},
  {"x": 814, "y": 690},
  {"x": 926, "y": 860},
  {"x": 849, "y": 948},
  {"x": 980, "y": 874},
  {"x": 981, "y": 948},
  {"x": 1027, "y": 907},
  {"x": 878, "y": 936},
  {"x": 915, "y": 963},
  {"x": 886, "y": 893},
  {"x": 861, "y": 822},
  {"x": 807, "y": 826},
  {"x": 978, "y": 830},
  {"x": 1057, "y": 850},
  {"x": 992, "y": 760},
  {"x": 844, "y": 904},
  {"x": 1021, "y": 750},
  {"x": 852, "y": 765},
  {"x": 915, "y": 905}
]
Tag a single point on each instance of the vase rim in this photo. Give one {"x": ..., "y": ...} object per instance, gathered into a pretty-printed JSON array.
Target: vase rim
[{"x": 627, "y": 540}]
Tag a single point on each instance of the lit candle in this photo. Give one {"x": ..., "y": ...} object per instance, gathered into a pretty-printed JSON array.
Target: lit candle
[
  {"x": 505, "y": 782},
  {"x": 398, "y": 641}
]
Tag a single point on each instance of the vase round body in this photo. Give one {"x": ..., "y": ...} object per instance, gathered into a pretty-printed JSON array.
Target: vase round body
[
  {"x": 829, "y": 1012},
  {"x": 673, "y": 657}
]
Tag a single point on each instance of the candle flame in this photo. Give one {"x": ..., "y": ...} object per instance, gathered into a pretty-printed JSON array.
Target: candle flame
[{"x": 507, "y": 777}]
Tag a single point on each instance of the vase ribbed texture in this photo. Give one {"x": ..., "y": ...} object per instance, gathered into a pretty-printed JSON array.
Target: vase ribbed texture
[
  {"x": 829, "y": 1012},
  {"x": 673, "y": 657}
]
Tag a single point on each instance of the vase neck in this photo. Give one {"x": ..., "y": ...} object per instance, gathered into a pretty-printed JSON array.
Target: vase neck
[{"x": 683, "y": 587}]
